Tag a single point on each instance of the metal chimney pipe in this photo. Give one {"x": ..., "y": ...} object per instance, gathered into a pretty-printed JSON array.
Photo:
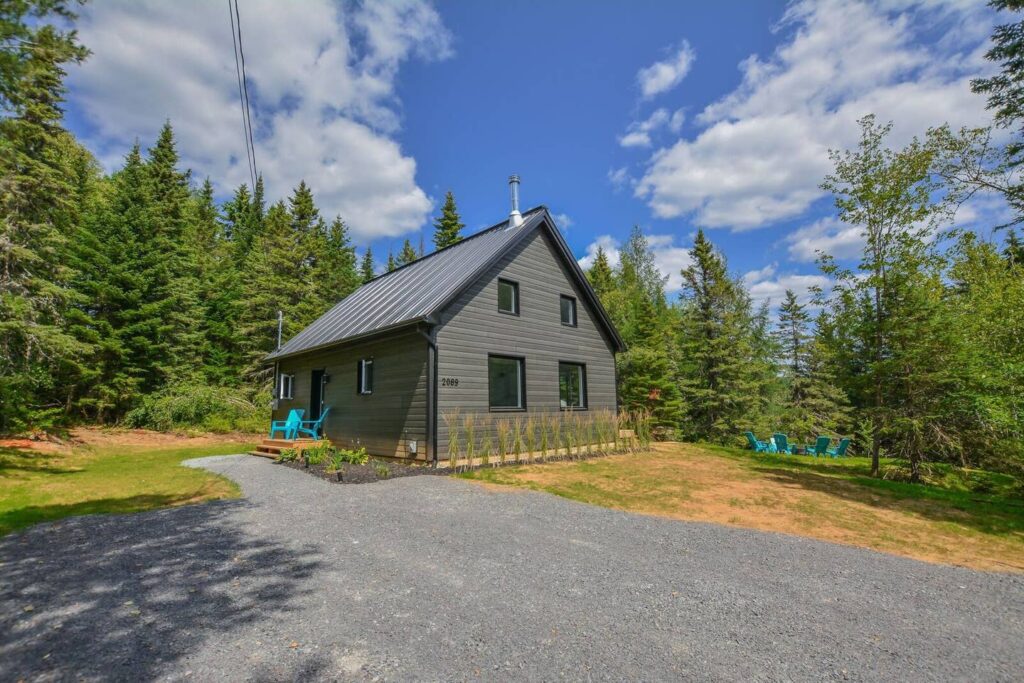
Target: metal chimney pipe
[
  {"x": 515, "y": 219},
  {"x": 280, "y": 325}
]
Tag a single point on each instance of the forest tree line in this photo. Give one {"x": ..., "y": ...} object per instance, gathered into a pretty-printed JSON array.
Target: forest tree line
[{"x": 133, "y": 297}]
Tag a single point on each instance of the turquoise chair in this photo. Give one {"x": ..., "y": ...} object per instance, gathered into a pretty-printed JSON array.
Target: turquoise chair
[
  {"x": 820, "y": 447},
  {"x": 840, "y": 450},
  {"x": 312, "y": 427},
  {"x": 287, "y": 427},
  {"x": 782, "y": 443},
  {"x": 755, "y": 445}
]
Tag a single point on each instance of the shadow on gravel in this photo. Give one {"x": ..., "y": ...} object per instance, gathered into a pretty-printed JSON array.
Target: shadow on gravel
[{"x": 123, "y": 597}]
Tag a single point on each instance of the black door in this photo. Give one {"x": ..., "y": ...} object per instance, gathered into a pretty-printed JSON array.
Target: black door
[{"x": 316, "y": 395}]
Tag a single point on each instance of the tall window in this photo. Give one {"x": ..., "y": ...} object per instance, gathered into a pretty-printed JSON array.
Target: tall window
[
  {"x": 572, "y": 386},
  {"x": 568, "y": 311},
  {"x": 506, "y": 383},
  {"x": 508, "y": 297},
  {"x": 364, "y": 376},
  {"x": 286, "y": 386}
]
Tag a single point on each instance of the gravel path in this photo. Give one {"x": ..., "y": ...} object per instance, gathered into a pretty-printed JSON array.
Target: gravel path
[{"x": 430, "y": 578}]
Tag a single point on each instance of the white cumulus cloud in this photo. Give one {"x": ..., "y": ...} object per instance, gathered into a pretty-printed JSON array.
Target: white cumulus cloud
[
  {"x": 763, "y": 148},
  {"x": 662, "y": 76},
  {"x": 638, "y": 134},
  {"x": 321, "y": 82},
  {"x": 767, "y": 284}
]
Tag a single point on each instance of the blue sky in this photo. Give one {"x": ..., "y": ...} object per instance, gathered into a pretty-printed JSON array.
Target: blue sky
[{"x": 670, "y": 116}]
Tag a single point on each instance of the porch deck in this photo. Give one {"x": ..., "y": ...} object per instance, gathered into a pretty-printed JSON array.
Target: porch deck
[{"x": 271, "y": 448}]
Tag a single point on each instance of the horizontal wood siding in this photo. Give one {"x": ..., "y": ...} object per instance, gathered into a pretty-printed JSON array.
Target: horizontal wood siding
[
  {"x": 382, "y": 422},
  {"x": 471, "y": 328}
]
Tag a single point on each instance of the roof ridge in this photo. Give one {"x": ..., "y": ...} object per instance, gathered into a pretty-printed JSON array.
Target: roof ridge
[{"x": 486, "y": 230}]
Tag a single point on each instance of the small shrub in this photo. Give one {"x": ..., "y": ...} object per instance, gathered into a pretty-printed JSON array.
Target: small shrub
[
  {"x": 287, "y": 455},
  {"x": 200, "y": 407},
  {"x": 354, "y": 457},
  {"x": 318, "y": 453},
  {"x": 382, "y": 469},
  {"x": 337, "y": 460}
]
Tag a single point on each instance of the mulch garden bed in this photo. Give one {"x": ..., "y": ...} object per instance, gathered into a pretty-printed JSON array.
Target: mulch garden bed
[{"x": 363, "y": 474}]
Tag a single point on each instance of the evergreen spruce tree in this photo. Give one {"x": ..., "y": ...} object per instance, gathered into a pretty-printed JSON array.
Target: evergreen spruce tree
[
  {"x": 600, "y": 274},
  {"x": 337, "y": 275},
  {"x": 171, "y": 305},
  {"x": 1014, "y": 251},
  {"x": 448, "y": 226},
  {"x": 34, "y": 207},
  {"x": 391, "y": 263},
  {"x": 274, "y": 283},
  {"x": 407, "y": 255},
  {"x": 366, "y": 266},
  {"x": 719, "y": 379}
]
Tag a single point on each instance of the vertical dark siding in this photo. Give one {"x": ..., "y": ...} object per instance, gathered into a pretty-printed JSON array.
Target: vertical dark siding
[
  {"x": 471, "y": 328},
  {"x": 382, "y": 422}
]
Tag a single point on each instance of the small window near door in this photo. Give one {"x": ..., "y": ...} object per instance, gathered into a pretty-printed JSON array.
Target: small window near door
[
  {"x": 508, "y": 297},
  {"x": 572, "y": 386},
  {"x": 364, "y": 376},
  {"x": 286, "y": 385},
  {"x": 506, "y": 383},
  {"x": 568, "y": 311}
]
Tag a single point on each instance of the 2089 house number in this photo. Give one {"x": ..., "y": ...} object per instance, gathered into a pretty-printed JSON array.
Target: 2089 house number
[{"x": 449, "y": 381}]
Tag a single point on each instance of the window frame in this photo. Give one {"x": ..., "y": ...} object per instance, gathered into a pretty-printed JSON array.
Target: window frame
[
  {"x": 515, "y": 296},
  {"x": 521, "y": 361},
  {"x": 575, "y": 310},
  {"x": 584, "y": 399},
  {"x": 281, "y": 378},
  {"x": 361, "y": 377}
]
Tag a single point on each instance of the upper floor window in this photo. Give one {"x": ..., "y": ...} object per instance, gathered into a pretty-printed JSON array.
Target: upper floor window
[
  {"x": 506, "y": 383},
  {"x": 572, "y": 386},
  {"x": 508, "y": 297},
  {"x": 568, "y": 311},
  {"x": 285, "y": 386},
  {"x": 364, "y": 376}
]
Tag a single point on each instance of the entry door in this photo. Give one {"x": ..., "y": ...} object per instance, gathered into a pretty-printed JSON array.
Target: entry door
[{"x": 316, "y": 395}]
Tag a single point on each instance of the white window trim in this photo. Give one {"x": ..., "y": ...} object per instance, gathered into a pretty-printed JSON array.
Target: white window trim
[
  {"x": 286, "y": 386},
  {"x": 363, "y": 364}
]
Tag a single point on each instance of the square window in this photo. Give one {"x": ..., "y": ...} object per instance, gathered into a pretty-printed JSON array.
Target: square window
[
  {"x": 506, "y": 383},
  {"x": 568, "y": 311},
  {"x": 572, "y": 386},
  {"x": 286, "y": 386},
  {"x": 508, "y": 297},
  {"x": 364, "y": 376}
]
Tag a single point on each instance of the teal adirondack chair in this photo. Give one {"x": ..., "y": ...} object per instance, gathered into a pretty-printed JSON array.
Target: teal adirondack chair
[
  {"x": 755, "y": 445},
  {"x": 289, "y": 426},
  {"x": 820, "y": 447},
  {"x": 840, "y": 450},
  {"x": 312, "y": 427},
  {"x": 782, "y": 443}
]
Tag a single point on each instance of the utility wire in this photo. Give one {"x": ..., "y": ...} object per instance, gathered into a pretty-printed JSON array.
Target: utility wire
[
  {"x": 249, "y": 157},
  {"x": 245, "y": 87}
]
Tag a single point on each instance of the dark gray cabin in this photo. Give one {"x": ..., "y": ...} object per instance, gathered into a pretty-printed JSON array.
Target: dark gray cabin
[{"x": 502, "y": 322}]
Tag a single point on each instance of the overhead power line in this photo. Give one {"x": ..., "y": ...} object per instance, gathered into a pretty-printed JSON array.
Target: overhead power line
[{"x": 243, "y": 91}]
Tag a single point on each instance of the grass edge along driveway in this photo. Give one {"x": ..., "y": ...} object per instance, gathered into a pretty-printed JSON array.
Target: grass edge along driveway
[
  {"x": 105, "y": 479},
  {"x": 968, "y": 518}
]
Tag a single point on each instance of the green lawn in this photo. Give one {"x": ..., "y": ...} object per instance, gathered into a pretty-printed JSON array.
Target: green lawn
[
  {"x": 967, "y": 517},
  {"x": 37, "y": 487}
]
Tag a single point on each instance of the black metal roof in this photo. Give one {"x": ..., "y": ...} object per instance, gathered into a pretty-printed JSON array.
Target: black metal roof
[{"x": 416, "y": 291}]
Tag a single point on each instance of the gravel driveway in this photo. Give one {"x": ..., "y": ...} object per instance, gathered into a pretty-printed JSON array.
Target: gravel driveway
[{"x": 433, "y": 578}]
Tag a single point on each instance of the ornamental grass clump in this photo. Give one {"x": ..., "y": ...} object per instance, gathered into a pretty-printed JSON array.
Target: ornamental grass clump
[
  {"x": 556, "y": 432},
  {"x": 486, "y": 445},
  {"x": 517, "y": 438},
  {"x": 503, "y": 430},
  {"x": 469, "y": 429},
  {"x": 530, "y": 436},
  {"x": 451, "y": 420},
  {"x": 544, "y": 427}
]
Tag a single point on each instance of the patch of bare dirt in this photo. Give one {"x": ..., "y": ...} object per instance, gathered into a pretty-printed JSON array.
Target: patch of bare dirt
[
  {"x": 97, "y": 437},
  {"x": 683, "y": 482}
]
